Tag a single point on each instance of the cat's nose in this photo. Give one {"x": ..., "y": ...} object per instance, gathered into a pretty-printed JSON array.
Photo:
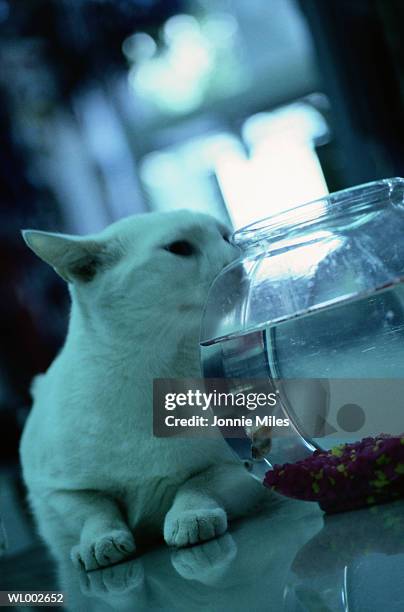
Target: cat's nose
[
  {"x": 236, "y": 274},
  {"x": 234, "y": 253}
]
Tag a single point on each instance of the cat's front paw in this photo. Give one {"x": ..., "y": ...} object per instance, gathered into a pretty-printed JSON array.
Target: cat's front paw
[
  {"x": 103, "y": 550},
  {"x": 193, "y": 526}
]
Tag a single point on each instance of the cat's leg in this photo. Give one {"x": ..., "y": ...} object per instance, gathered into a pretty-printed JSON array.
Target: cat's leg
[
  {"x": 203, "y": 503},
  {"x": 96, "y": 520}
]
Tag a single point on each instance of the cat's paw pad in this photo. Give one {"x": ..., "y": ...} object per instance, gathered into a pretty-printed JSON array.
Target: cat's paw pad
[
  {"x": 104, "y": 550},
  {"x": 193, "y": 526},
  {"x": 206, "y": 563}
]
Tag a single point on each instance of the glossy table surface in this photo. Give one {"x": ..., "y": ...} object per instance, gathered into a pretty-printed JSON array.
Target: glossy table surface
[{"x": 290, "y": 557}]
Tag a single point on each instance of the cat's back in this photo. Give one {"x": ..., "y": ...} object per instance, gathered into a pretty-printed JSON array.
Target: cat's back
[{"x": 38, "y": 446}]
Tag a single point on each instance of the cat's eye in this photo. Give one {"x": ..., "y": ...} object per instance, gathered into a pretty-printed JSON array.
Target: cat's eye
[{"x": 181, "y": 247}]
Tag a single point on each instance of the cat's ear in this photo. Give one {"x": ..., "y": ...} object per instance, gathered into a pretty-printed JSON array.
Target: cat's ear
[{"x": 74, "y": 258}]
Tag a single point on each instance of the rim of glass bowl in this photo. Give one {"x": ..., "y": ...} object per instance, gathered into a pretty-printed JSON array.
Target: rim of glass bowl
[{"x": 337, "y": 206}]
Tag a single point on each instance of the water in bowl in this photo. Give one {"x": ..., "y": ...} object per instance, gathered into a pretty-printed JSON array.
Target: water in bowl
[{"x": 344, "y": 364}]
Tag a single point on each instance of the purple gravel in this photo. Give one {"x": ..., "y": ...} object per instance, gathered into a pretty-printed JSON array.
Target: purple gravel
[{"x": 346, "y": 477}]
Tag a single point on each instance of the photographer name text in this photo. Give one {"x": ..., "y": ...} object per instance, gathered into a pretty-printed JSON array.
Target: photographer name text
[{"x": 200, "y": 421}]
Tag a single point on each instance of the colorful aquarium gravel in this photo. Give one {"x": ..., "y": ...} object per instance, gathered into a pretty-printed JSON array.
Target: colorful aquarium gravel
[{"x": 346, "y": 477}]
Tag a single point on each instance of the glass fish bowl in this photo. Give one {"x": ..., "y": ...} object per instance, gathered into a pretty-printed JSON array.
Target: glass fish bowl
[{"x": 313, "y": 310}]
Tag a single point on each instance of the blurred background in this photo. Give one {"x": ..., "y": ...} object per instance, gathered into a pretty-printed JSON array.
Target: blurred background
[{"x": 111, "y": 107}]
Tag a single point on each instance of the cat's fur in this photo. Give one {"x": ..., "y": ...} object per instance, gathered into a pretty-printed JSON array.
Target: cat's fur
[{"x": 88, "y": 454}]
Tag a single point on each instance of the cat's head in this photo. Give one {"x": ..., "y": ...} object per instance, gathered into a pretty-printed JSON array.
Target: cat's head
[{"x": 154, "y": 267}]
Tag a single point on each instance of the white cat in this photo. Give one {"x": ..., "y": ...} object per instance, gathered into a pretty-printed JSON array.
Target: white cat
[{"x": 89, "y": 458}]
